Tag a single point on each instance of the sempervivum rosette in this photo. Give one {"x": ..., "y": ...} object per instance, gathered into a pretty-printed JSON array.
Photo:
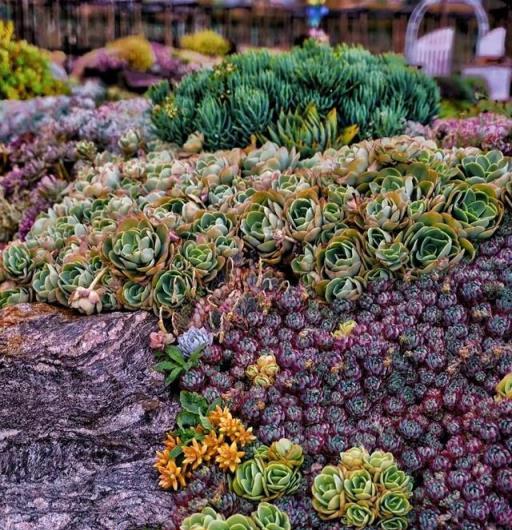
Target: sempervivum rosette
[
  {"x": 269, "y": 517},
  {"x": 362, "y": 489},
  {"x": 18, "y": 262},
  {"x": 477, "y": 209},
  {"x": 263, "y": 226},
  {"x": 491, "y": 167},
  {"x": 12, "y": 296},
  {"x": 435, "y": 242},
  {"x": 137, "y": 249},
  {"x": 304, "y": 216}
]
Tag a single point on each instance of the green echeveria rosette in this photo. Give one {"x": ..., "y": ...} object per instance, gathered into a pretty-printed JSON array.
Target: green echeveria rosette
[
  {"x": 286, "y": 452},
  {"x": 213, "y": 225},
  {"x": 279, "y": 479},
  {"x": 435, "y": 243},
  {"x": 171, "y": 289},
  {"x": 18, "y": 262},
  {"x": 269, "y": 517},
  {"x": 394, "y": 479},
  {"x": 17, "y": 295},
  {"x": 343, "y": 256},
  {"x": 73, "y": 274},
  {"x": 137, "y": 249},
  {"x": 269, "y": 157},
  {"x": 386, "y": 211},
  {"x": 392, "y": 256},
  {"x": 342, "y": 288},
  {"x": 229, "y": 246},
  {"x": 45, "y": 283},
  {"x": 263, "y": 227},
  {"x": 304, "y": 216},
  {"x": 377, "y": 462},
  {"x": 135, "y": 295},
  {"x": 359, "y": 486},
  {"x": 249, "y": 481},
  {"x": 477, "y": 209},
  {"x": 329, "y": 493},
  {"x": 202, "y": 259},
  {"x": 394, "y": 504},
  {"x": 486, "y": 168},
  {"x": 358, "y": 515}
]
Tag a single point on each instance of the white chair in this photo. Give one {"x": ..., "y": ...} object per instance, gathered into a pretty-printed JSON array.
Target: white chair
[
  {"x": 492, "y": 44},
  {"x": 434, "y": 52}
]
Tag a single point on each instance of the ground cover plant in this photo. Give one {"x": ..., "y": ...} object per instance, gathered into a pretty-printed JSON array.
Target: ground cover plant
[
  {"x": 24, "y": 69},
  {"x": 304, "y": 98},
  {"x": 36, "y": 166},
  {"x": 156, "y": 232}
]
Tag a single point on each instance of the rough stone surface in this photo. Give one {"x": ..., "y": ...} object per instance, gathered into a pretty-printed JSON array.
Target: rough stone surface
[{"x": 81, "y": 414}]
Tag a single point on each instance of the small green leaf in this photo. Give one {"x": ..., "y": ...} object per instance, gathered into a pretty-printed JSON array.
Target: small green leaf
[
  {"x": 177, "y": 451},
  {"x": 205, "y": 422},
  {"x": 173, "y": 375},
  {"x": 193, "y": 402},
  {"x": 176, "y": 355},
  {"x": 165, "y": 366},
  {"x": 186, "y": 419}
]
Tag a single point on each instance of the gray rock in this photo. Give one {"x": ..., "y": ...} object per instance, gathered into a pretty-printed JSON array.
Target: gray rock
[{"x": 82, "y": 413}]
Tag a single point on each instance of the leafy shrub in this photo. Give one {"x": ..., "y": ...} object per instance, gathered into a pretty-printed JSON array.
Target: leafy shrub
[
  {"x": 252, "y": 93},
  {"x": 207, "y": 42},
  {"x": 24, "y": 69}
]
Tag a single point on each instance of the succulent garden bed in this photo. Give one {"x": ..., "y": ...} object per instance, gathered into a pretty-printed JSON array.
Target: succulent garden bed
[{"x": 333, "y": 298}]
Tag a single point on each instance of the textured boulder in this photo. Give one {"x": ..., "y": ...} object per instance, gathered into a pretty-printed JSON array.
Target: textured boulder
[{"x": 82, "y": 412}]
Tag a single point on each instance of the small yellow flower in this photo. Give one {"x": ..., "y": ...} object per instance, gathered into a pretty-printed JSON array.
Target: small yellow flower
[
  {"x": 244, "y": 436},
  {"x": 216, "y": 415},
  {"x": 194, "y": 454},
  {"x": 171, "y": 476},
  {"x": 345, "y": 329},
  {"x": 212, "y": 441},
  {"x": 229, "y": 457}
]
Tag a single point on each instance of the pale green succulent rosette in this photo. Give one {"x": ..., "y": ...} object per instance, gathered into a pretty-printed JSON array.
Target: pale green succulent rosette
[
  {"x": 280, "y": 479},
  {"x": 286, "y": 452},
  {"x": 171, "y": 289},
  {"x": 135, "y": 295},
  {"x": 17, "y": 262},
  {"x": 221, "y": 195},
  {"x": 358, "y": 515},
  {"x": 269, "y": 157},
  {"x": 45, "y": 283},
  {"x": 249, "y": 481},
  {"x": 343, "y": 256},
  {"x": 306, "y": 262},
  {"x": 228, "y": 246},
  {"x": 359, "y": 486},
  {"x": 435, "y": 243},
  {"x": 167, "y": 210},
  {"x": 18, "y": 295},
  {"x": 269, "y": 517},
  {"x": 377, "y": 273},
  {"x": 328, "y": 493},
  {"x": 236, "y": 522},
  {"x": 378, "y": 461},
  {"x": 202, "y": 520},
  {"x": 485, "y": 168},
  {"x": 394, "y": 479},
  {"x": 304, "y": 216},
  {"x": 394, "y": 523},
  {"x": 263, "y": 227},
  {"x": 213, "y": 225},
  {"x": 353, "y": 458},
  {"x": 288, "y": 185},
  {"x": 476, "y": 208},
  {"x": 342, "y": 288},
  {"x": 387, "y": 211},
  {"x": 73, "y": 274},
  {"x": 504, "y": 388},
  {"x": 394, "y": 504},
  {"x": 392, "y": 256},
  {"x": 202, "y": 259},
  {"x": 137, "y": 249},
  {"x": 375, "y": 237}
]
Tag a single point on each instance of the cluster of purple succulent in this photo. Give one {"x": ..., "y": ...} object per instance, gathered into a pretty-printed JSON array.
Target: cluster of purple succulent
[
  {"x": 416, "y": 376},
  {"x": 486, "y": 131},
  {"x": 35, "y": 165}
]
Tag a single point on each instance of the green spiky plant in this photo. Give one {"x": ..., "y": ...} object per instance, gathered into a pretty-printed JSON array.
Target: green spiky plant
[{"x": 305, "y": 98}]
